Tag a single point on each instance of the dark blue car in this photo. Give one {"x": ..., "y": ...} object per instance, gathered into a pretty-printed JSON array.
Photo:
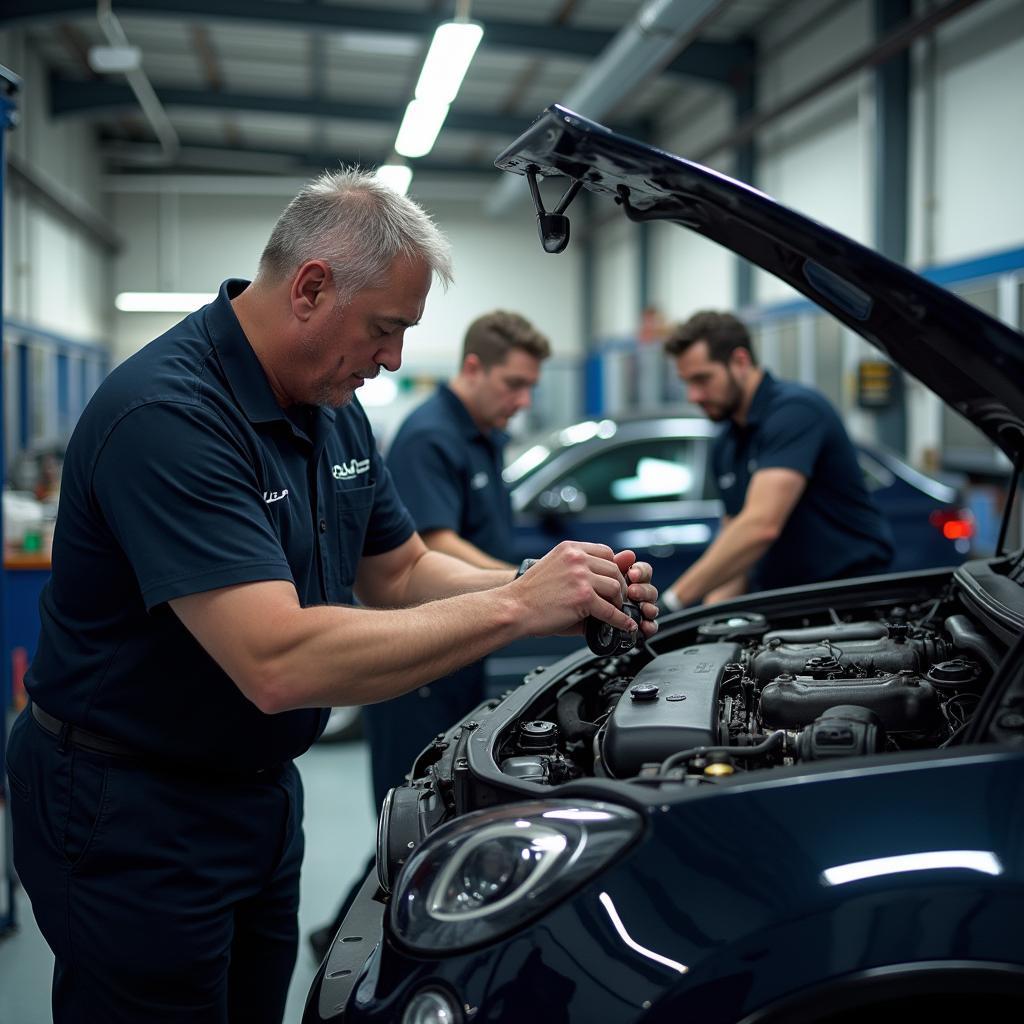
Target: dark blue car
[
  {"x": 805, "y": 805},
  {"x": 644, "y": 484}
]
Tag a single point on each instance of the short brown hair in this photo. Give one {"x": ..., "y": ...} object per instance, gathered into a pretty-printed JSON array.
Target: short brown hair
[
  {"x": 723, "y": 332},
  {"x": 490, "y": 338}
]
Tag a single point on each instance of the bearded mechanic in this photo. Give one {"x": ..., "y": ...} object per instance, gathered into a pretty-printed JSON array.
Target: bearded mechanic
[
  {"x": 796, "y": 508},
  {"x": 222, "y": 504}
]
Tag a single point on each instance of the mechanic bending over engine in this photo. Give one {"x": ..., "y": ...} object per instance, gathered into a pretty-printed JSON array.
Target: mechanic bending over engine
[
  {"x": 222, "y": 502},
  {"x": 796, "y": 509},
  {"x": 446, "y": 461}
]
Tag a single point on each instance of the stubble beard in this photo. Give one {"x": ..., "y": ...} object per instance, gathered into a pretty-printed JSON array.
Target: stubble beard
[{"x": 727, "y": 409}]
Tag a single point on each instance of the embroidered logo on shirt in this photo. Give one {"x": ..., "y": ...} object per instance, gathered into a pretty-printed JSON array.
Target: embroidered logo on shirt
[
  {"x": 752, "y": 466},
  {"x": 726, "y": 480},
  {"x": 479, "y": 480},
  {"x": 351, "y": 468},
  {"x": 271, "y": 496}
]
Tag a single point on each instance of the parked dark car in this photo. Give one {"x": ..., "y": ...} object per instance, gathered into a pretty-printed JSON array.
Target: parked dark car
[
  {"x": 800, "y": 806},
  {"x": 645, "y": 484}
]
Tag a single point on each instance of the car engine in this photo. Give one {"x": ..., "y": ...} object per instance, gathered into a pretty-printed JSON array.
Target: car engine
[
  {"x": 747, "y": 693},
  {"x": 794, "y": 678}
]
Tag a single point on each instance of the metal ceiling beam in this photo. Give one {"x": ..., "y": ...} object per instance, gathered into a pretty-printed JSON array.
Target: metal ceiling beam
[
  {"x": 701, "y": 59},
  {"x": 71, "y": 96}
]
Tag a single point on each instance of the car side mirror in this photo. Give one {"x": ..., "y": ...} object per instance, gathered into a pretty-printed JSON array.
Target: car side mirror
[{"x": 561, "y": 501}]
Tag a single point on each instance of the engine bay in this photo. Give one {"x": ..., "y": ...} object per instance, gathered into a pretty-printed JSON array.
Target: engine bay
[
  {"x": 742, "y": 692},
  {"x": 809, "y": 678}
]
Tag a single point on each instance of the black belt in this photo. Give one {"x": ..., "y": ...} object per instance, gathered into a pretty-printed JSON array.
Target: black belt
[
  {"x": 78, "y": 736},
  {"x": 65, "y": 733}
]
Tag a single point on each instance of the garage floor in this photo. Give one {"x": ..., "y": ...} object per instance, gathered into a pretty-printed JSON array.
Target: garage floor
[{"x": 340, "y": 824}]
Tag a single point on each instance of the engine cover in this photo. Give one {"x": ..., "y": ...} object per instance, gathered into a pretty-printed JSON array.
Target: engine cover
[
  {"x": 905, "y": 702},
  {"x": 672, "y": 705}
]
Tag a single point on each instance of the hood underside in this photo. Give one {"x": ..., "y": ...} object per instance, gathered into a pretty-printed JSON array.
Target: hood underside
[{"x": 969, "y": 359}]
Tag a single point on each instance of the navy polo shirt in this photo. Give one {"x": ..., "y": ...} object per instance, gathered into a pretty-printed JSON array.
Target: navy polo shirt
[
  {"x": 184, "y": 475},
  {"x": 835, "y": 530},
  {"x": 449, "y": 474}
]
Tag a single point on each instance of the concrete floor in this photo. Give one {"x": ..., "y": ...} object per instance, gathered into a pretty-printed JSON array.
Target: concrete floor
[{"x": 340, "y": 827}]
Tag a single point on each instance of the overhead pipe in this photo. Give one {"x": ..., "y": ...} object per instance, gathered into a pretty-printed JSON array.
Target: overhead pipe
[
  {"x": 140, "y": 84},
  {"x": 656, "y": 35}
]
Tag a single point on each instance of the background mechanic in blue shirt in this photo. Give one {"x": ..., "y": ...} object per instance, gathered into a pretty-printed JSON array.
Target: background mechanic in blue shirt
[
  {"x": 446, "y": 460},
  {"x": 796, "y": 509},
  {"x": 222, "y": 503}
]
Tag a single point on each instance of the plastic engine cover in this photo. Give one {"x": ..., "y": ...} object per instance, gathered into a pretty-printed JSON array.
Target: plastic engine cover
[
  {"x": 671, "y": 705},
  {"x": 905, "y": 702}
]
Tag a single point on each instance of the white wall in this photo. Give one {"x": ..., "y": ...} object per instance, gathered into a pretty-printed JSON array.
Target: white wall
[
  {"x": 616, "y": 294},
  {"x": 968, "y": 137},
  {"x": 816, "y": 159},
  {"x": 688, "y": 272},
  {"x": 202, "y": 239},
  {"x": 55, "y": 276}
]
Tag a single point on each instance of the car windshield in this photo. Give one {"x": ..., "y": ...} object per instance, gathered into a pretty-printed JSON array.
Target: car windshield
[{"x": 524, "y": 458}]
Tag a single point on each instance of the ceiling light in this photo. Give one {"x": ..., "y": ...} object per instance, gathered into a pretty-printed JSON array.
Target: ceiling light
[
  {"x": 109, "y": 60},
  {"x": 422, "y": 122},
  {"x": 162, "y": 302},
  {"x": 447, "y": 60},
  {"x": 395, "y": 176}
]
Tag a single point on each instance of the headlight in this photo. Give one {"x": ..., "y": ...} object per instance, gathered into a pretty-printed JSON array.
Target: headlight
[{"x": 489, "y": 872}]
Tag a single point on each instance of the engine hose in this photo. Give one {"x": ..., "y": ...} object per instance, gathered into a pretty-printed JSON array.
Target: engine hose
[
  {"x": 573, "y": 726},
  {"x": 967, "y": 638},
  {"x": 765, "y": 746}
]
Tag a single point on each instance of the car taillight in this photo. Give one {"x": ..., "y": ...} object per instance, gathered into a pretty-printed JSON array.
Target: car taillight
[{"x": 953, "y": 523}]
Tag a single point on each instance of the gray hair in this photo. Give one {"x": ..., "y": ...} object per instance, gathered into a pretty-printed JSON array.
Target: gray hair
[{"x": 358, "y": 225}]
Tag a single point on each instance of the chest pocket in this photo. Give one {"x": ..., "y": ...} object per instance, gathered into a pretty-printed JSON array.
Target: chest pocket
[{"x": 353, "y": 506}]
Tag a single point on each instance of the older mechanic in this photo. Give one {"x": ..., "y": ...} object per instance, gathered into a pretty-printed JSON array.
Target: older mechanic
[
  {"x": 222, "y": 501},
  {"x": 796, "y": 507}
]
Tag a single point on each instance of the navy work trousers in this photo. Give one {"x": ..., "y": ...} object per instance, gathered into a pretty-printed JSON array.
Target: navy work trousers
[{"x": 165, "y": 897}]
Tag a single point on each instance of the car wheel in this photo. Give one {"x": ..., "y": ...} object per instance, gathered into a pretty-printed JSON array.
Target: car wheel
[{"x": 344, "y": 724}]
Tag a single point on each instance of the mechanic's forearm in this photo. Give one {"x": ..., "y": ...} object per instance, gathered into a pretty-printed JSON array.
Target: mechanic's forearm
[
  {"x": 450, "y": 543},
  {"x": 740, "y": 544},
  {"x": 343, "y": 656},
  {"x": 433, "y": 575}
]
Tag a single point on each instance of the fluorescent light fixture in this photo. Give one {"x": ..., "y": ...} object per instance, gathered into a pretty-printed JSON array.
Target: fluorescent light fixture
[
  {"x": 109, "y": 60},
  {"x": 162, "y": 302},
  {"x": 395, "y": 176},
  {"x": 422, "y": 122},
  {"x": 983, "y": 861},
  {"x": 447, "y": 61}
]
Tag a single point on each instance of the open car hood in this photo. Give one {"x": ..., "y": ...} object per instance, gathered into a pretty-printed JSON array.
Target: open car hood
[{"x": 972, "y": 361}]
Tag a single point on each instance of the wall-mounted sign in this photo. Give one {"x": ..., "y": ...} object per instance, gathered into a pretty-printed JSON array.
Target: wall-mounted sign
[{"x": 877, "y": 384}]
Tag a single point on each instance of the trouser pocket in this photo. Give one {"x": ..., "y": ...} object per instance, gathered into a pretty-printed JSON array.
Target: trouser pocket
[{"x": 86, "y": 804}]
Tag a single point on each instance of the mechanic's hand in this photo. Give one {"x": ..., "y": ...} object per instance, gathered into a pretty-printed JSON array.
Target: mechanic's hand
[
  {"x": 639, "y": 589},
  {"x": 573, "y": 581}
]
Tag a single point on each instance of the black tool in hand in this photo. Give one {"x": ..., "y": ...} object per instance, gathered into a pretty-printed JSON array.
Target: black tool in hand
[{"x": 605, "y": 639}]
